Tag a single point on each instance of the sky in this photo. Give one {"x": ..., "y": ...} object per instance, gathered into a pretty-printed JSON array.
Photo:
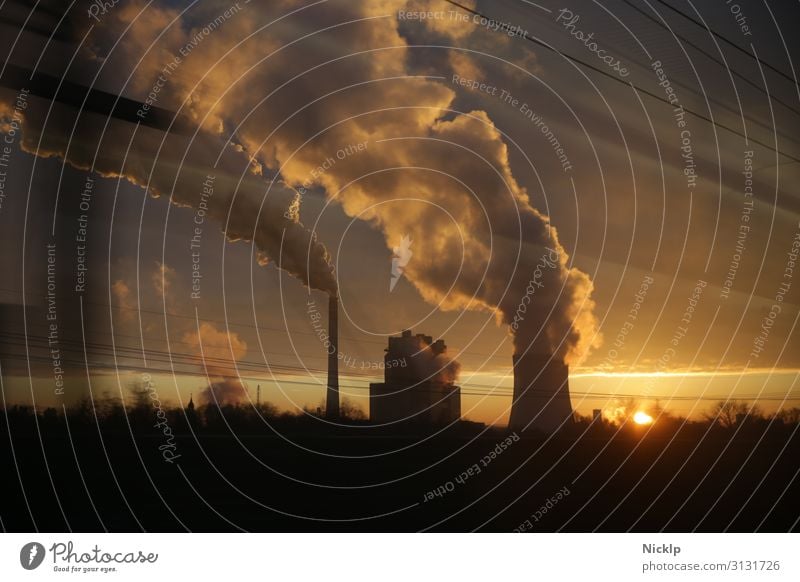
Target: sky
[{"x": 654, "y": 242}]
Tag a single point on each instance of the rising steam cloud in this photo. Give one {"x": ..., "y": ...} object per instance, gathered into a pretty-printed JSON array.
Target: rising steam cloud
[
  {"x": 428, "y": 364},
  {"x": 224, "y": 392},
  {"x": 438, "y": 176},
  {"x": 253, "y": 209},
  {"x": 219, "y": 351}
]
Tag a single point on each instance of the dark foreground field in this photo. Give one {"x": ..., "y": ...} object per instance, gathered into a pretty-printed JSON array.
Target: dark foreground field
[{"x": 356, "y": 480}]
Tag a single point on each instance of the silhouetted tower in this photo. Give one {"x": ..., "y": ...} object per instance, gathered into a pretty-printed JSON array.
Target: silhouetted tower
[
  {"x": 191, "y": 415},
  {"x": 332, "y": 400},
  {"x": 541, "y": 394},
  {"x": 258, "y": 395}
]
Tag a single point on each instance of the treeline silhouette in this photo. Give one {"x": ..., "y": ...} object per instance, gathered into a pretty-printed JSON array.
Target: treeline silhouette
[
  {"x": 141, "y": 417},
  {"x": 723, "y": 418},
  {"x": 140, "y": 414},
  {"x": 138, "y": 463}
]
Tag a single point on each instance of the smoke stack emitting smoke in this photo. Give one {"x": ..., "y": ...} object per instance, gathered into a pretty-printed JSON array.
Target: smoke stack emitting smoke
[{"x": 478, "y": 241}]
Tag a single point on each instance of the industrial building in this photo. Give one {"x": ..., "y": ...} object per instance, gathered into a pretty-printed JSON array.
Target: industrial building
[{"x": 418, "y": 384}]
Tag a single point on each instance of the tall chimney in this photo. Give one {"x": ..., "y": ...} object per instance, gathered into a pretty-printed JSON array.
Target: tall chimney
[{"x": 332, "y": 400}]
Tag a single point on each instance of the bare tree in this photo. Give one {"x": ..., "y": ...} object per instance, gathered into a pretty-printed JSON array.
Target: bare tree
[
  {"x": 789, "y": 415},
  {"x": 725, "y": 413}
]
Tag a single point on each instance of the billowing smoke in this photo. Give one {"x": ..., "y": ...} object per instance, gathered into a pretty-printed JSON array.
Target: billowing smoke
[
  {"x": 224, "y": 392},
  {"x": 185, "y": 170},
  {"x": 219, "y": 351},
  {"x": 429, "y": 363},
  {"x": 341, "y": 110}
]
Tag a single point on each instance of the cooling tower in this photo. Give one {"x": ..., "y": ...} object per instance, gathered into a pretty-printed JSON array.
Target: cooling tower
[
  {"x": 541, "y": 394},
  {"x": 332, "y": 400}
]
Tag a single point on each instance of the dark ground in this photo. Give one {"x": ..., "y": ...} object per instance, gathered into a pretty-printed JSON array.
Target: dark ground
[{"x": 265, "y": 483}]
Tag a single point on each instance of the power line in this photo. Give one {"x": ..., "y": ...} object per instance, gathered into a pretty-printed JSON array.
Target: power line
[
  {"x": 469, "y": 389},
  {"x": 509, "y": 30},
  {"x": 716, "y": 60},
  {"x": 227, "y": 323},
  {"x": 729, "y": 42},
  {"x": 191, "y": 360}
]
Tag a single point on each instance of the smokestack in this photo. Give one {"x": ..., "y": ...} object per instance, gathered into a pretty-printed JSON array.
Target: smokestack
[
  {"x": 332, "y": 401},
  {"x": 541, "y": 394}
]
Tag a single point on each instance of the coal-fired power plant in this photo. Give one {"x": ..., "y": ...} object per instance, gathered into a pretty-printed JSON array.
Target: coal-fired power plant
[
  {"x": 541, "y": 394},
  {"x": 332, "y": 399},
  {"x": 419, "y": 383}
]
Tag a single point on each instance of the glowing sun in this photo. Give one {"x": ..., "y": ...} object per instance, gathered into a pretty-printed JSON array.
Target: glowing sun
[{"x": 642, "y": 418}]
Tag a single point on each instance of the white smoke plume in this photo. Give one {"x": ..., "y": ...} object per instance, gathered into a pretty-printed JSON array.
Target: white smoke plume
[
  {"x": 322, "y": 80},
  {"x": 426, "y": 363},
  {"x": 251, "y": 210},
  {"x": 219, "y": 351},
  {"x": 224, "y": 392}
]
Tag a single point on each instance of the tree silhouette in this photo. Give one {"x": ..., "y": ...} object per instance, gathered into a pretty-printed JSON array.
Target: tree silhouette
[{"x": 725, "y": 413}]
